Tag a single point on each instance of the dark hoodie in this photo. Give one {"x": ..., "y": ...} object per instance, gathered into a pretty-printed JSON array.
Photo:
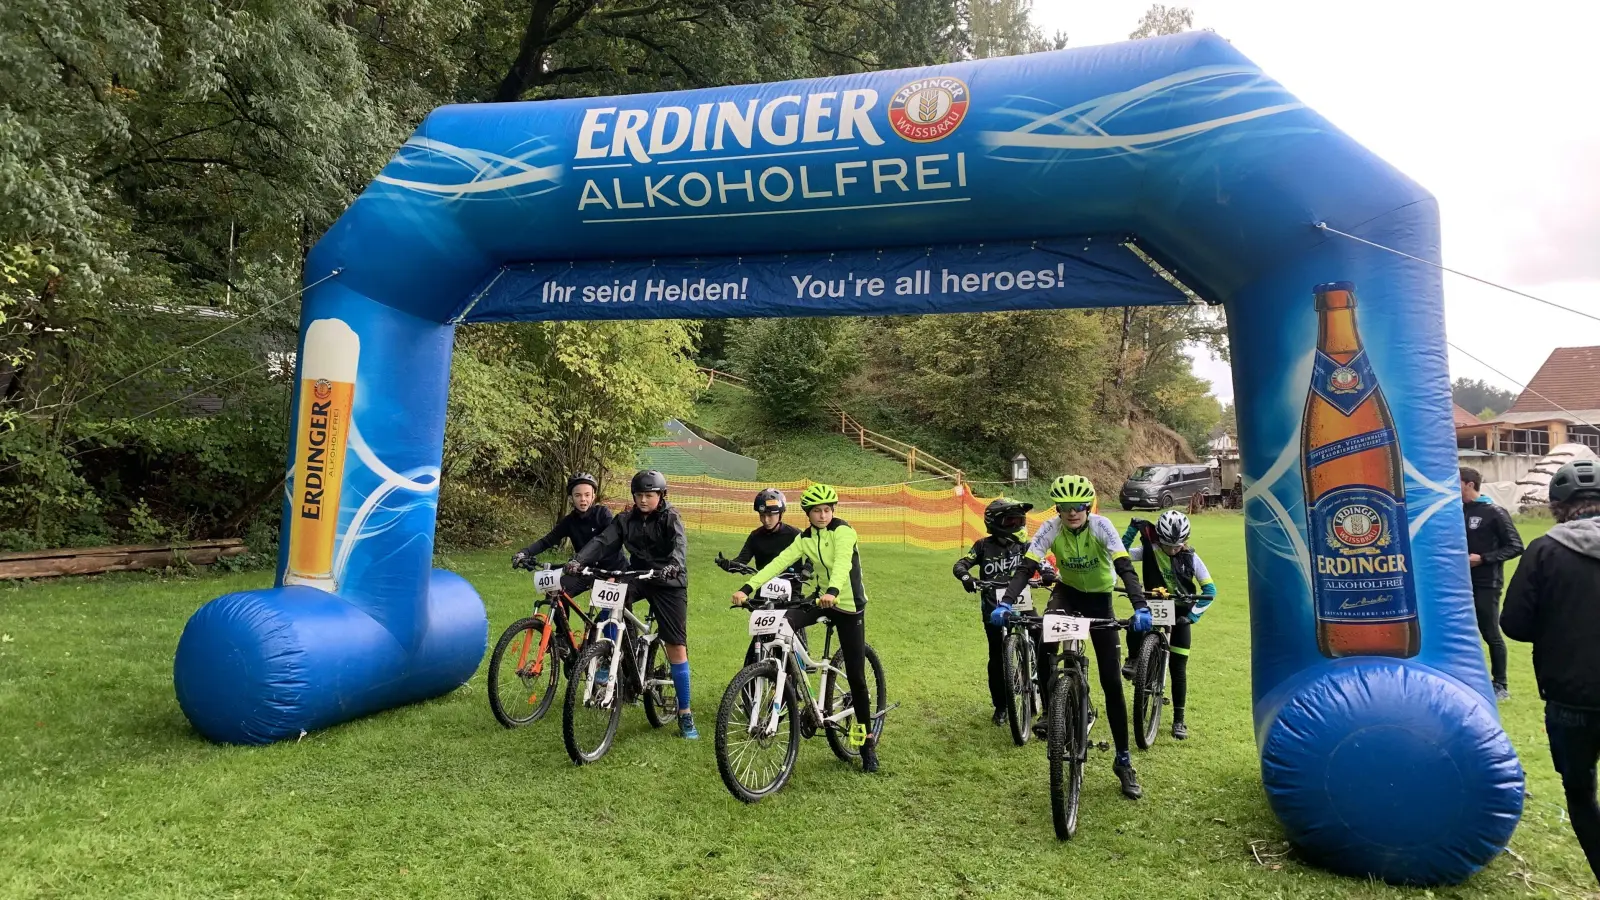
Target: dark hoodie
[
  {"x": 652, "y": 541},
  {"x": 580, "y": 529},
  {"x": 1554, "y": 603}
]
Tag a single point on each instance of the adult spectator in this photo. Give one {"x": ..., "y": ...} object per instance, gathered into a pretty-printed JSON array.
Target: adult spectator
[
  {"x": 1492, "y": 540},
  {"x": 1551, "y": 604}
]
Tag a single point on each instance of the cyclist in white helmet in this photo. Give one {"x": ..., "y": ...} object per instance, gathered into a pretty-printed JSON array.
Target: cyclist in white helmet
[{"x": 1170, "y": 565}]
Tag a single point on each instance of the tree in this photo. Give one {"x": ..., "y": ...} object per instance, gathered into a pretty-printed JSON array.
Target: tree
[
  {"x": 1161, "y": 19},
  {"x": 1477, "y": 394},
  {"x": 1004, "y": 28},
  {"x": 795, "y": 365}
]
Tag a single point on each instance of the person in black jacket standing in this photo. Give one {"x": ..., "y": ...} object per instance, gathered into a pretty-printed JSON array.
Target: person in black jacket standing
[
  {"x": 652, "y": 532},
  {"x": 1551, "y": 604},
  {"x": 587, "y": 519},
  {"x": 771, "y": 537},
  {"x": 1492, "y": 541}
]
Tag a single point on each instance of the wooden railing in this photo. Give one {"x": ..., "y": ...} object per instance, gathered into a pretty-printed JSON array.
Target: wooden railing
[{"x": 914, "y": 457}]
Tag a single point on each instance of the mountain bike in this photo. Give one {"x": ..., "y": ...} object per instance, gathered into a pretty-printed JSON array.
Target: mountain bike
[
  {"x": 770, "y": 705},
  {"x": 622, "y": 661},
  {"x": 1150, "y": 667},
  {"x": 1071, "y": 715},
  {"x": 531, "y": 655},
  {"x": 1021, "y": 659}
]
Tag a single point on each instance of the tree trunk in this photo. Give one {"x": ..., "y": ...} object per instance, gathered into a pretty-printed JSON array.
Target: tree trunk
[{"x": 530, "y": 54}]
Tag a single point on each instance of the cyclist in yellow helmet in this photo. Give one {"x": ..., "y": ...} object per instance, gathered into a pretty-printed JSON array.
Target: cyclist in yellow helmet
[
  {"x": 1090, "y": 558},
  {"x": 830, "y": 545}
]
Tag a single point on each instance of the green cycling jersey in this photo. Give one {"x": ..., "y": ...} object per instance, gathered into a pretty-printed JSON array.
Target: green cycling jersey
[{"x": 1086, "y": 558}]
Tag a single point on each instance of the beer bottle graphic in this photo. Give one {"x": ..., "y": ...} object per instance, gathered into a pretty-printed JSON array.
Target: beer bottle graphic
[{"x": 1363, "y": 588}]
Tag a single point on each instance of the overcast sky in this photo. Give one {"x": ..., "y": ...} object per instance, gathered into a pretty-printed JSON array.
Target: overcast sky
[{"x": 1493, "y": 108}]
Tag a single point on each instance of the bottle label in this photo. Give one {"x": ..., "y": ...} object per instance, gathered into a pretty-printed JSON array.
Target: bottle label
[
  {"x": 1357, "y": 443},
  {"x": 1344, "y": 385},
  {"x": 1361, "y": 556}
]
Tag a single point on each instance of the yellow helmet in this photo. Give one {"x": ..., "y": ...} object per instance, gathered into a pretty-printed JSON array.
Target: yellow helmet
[
  {"x": 818, "y": 495},
  {"x": 1072, "y": 489}
]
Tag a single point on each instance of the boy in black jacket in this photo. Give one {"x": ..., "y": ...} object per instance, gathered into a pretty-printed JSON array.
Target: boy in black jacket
[
  {"x": 587, "y": 519},
  {"x": 771, "y": 538},
  {"x": 995, "y": 558},
  {"x": 652, "y": 532},
  {"x": 1552, "y": 604},
  {"x": 1492, "y": 540}
]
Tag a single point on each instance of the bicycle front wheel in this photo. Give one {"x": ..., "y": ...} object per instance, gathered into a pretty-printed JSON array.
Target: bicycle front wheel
[
  {"x": 593, "y": 707},
  {"x": 754, "y": 758},
  {"x": 1068, "y": 732},
  {"x": 1149, "y": 684},
  {"x": 522, "y": 681},
  {"x": 837, "y": 697},
  {"x": 1019, "y": 684}
]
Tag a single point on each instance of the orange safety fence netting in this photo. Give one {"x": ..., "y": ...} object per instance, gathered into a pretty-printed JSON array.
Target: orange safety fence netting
[{"x": 943, "y": 518}]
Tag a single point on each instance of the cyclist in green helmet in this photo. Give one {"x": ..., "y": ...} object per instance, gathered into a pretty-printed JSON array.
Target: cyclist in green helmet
[
  {"x": 830, "y": 545},
  {"x": 1089, "y": 559}
]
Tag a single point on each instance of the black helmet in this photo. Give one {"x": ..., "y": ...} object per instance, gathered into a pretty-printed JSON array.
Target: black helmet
[
  {"x": 998, "y": 511},
  {"x": 649, "y": 480},
  {"x": 583, "y": 478},
  {"x": 1579, "y": 478},
  {"x": 771, "y": 500}
]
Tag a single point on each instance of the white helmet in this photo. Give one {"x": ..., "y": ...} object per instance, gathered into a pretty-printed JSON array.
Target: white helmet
[{"x": 1172, "y": 528}]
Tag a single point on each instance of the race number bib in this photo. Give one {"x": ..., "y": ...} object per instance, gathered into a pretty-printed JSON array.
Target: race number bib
[
  {"x": 778, "y": 589},
  {"x": 547, "y": 581},
  {"x": 1022, "y": 603},
  {"x": 608, "y": 594},
  {"x": 1065, "y": 628},
  {"x": 1162, "y": 612},
  {"x": 764, "y": 622}
]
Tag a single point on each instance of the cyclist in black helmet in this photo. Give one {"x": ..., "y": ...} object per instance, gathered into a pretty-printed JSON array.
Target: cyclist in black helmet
[
  {"x": 995, "y": 557},
  {"x": 652, "y": 532},
  {"x": 587, "y": 519},
  {"x": 771, "y": 537}
]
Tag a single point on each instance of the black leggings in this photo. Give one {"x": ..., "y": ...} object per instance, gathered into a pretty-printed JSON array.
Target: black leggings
[
  {"x": 1486, "y": 601},
  {"x": 1177, "y": 660},
  {"x": 995, "y": 635},
  {"x": 1574, "y": 747},
  {"x": 852, "y": 632},
  {"x": 1107, "y": 655}
]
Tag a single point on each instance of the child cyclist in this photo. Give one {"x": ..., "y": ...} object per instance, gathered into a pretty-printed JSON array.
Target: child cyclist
[
  {"x": 830, "y": 545},
  {"x": 652, "y": 532},
  {"x": 996, "y": 557},
  {"x": 1089, "y": 557},
  {"x": 587, "y": 519},
  {"x": 771, "y": 537},
  {"x": 1170, "y": 565}
]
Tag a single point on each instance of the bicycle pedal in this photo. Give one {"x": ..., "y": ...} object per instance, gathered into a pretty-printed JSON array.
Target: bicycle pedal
[
  {"x": 858, "y": 734},
  {"x": 1102, "y": 746}
]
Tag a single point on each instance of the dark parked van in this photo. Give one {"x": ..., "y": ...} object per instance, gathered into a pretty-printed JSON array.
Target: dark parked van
[{"x": 1164, "y": 485}]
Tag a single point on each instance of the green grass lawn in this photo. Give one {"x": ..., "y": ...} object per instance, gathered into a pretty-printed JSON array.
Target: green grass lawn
[
  {"x": 105, "y": 791},
  {"x": 792, "y": 454}
]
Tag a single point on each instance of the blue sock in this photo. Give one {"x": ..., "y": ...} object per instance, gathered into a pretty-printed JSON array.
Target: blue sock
[
  {"x": 1124, "y": 758},
  {"x": 680, "y": 683}
]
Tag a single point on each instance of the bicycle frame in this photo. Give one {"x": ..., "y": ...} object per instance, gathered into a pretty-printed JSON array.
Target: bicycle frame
[
  {"x": 786, "y": 649},
  {"x": 562, "y": 606}
]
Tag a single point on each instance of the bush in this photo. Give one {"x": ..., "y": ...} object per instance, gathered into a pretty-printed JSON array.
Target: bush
[{"x": 795, "y": 365}]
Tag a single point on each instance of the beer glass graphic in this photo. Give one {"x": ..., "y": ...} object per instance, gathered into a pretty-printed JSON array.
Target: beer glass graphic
[{"x": 327, "y": 390}]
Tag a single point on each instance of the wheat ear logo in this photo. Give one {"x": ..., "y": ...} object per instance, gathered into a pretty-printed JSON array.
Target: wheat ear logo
[{"x": 929, "y": 109}]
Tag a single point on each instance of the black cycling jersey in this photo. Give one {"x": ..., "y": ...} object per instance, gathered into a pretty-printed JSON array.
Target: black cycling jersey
[{"x": 763, "y": 545}]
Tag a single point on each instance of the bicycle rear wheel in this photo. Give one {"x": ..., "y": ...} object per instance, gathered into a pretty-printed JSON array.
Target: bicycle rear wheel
[
  {"x": 836, "y": 696},
  {"x": 1149, "y": 686},
  {"x": 660, "y": 695},
  {"x": 1068, "y": 731},
  {"x": 522, "y": 683},
  {"x": 1019, "y": 687},
  {"x": 588, "y": 723},
  {"x": 754, "y": 762}
]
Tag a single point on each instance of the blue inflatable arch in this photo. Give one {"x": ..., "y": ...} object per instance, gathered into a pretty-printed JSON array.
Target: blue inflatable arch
[{"x": 1001, "y": 184}]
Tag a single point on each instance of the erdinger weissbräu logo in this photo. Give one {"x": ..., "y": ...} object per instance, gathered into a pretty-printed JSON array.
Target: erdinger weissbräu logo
[
  {"x": 1344, "y": 380},
  {"x": 928, "y": 109},
  {"x": 1356, "y": 528},
  {"x": 322, "y": 389}
]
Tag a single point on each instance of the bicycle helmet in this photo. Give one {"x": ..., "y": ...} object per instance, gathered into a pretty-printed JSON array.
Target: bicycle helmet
[
  {"x": 583, "y": 478},
  {"x": 1579, "y": 478},
  {"x": 1172, "y": 528},
  {"x": 649, "y": 480},
  {"x": 771, "y": 500},
  {"x": 1005, "y": 516},
  {"x": 1072, "y": 489},
  {"x": 818, "y": 495}
]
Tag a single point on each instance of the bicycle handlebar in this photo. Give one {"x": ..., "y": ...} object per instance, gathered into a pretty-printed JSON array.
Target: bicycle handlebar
[{"x": 639, "y": 574}]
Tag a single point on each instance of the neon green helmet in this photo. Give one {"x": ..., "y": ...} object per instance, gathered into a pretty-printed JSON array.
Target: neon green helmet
[
  {"x": 1072, "y": 489},
  {"x": 818, "y": 495}
]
